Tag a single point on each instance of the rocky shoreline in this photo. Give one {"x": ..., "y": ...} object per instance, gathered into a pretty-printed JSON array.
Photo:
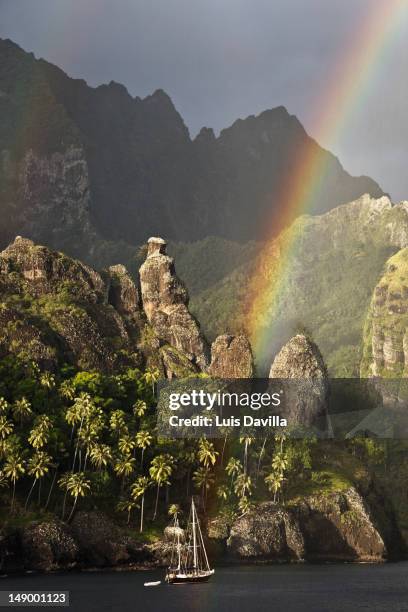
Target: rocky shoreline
[{"x": 337, "y": 527}]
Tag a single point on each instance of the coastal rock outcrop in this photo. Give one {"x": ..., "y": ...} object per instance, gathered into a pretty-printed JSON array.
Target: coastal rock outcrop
[
  {"x": 48, "y": 546},
  {"x": 337, "y": 526},
  {"x": 101, "y": 543},
  {"x": 340, "y": 527},
  {"x": 306, "y": 398},
  {"x": 266, "y": 532},
  {"x": 231, "y": 357},
  {"x": 165, "y": 303}
]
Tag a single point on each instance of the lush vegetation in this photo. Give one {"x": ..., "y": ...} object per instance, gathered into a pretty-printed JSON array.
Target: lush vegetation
[
  {"x": 84, "y": 440},
  {"x": 328, "y": 290}
]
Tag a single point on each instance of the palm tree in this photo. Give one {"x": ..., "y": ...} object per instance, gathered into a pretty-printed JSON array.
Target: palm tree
[
  {"x": 203, "y": 478},
  {"x": 151, "y": 376},
  {"x": 63, "y": 484},
  {"x": 274, "y": 482},
  {"x": 246, "y": 441},
  {"x": 74, "y": 415},
  {"x": 100, "y": 455},
  {"x": 174, "y": 510},
  {"x": 82, "y": 409},
  {"x": 189, "y": 457},
  {"x": 67, "y": 390},
  {"x": 6, "y": 427},
  {"x": 139, "y": 408},
  {"x": 4, "y": 407},
  {"x": 13, "y": 469},
  {"x": 117, "y": 422},
  {"x": 40, "y": 433},
  {"x": 78, "y": 486},
  {"x": 54, "y": 478},
  {"x": 127, "y": 505},
  {"x": 226, "y": 431},
  {"x": 160, "y": 471},
  {"x": 22, "y": 410},
  {"x": 244, "y": 504},
  {"x": 143, "y": 440},
  {"x": 261, "y": 454},
  {"x": 139, "y": 489},
  {"x": 124, "y": 467},
  {"x": 38, "y": 467},
  {"x": 47, "y": 380},
  {"x": 279, "y": 462},
  {"x": 207, "y": 455},
  {"x": 243, "y": 485},
  {"x": 126, "y": 445},
  {"x": 87, "y": 438},
  {"x": 223, "y": 492},
  {"x": 233, "y": 468}
]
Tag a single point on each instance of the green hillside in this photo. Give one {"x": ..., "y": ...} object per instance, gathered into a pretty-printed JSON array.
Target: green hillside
[{"x": 339, "y": 259}]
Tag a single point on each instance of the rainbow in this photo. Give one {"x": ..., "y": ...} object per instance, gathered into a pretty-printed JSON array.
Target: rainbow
[{"x": 350, "y": 87}]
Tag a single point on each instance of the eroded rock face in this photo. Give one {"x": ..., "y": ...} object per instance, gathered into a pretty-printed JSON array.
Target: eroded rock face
[
  {"x": 385, "y": 350},
  {"x": 54, "y": 193},
  {"x": 45, "y": 270},
  {"x": 73, "y": 321},
  {"x": 123, "y": 293},
  {"x": 306, "y": 400},
  {"x": 340, "y": 526},
  {"x": 267, "y": 532},
  {"x": 231, "y": 357},
  {"x": 165, "y": 303},
  {"x": 100, "y": 542},
  {"x": 17, "y": 331},
  {"x": 48, "y": 546},
  {"x": 326, "y": 527}
]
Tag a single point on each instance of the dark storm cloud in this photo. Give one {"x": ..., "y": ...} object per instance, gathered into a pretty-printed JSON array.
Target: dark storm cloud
[{"x": 224, "y": 59}]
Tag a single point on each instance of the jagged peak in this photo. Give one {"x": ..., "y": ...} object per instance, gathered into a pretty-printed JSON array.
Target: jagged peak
[
  {"x": 156, "y": 246},
  {"x": 7, "y": 43},
  {"x": 206, "y": 134},
  {"x": 159, "y": 96},
  {"x": 300, "y": 357},
  {"x": 114, "y": 86},
  {"x": 279, "y": 113},
  {"x": 364, "y": 204}
]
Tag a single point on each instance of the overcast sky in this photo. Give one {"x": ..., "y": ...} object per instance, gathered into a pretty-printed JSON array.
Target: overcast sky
[{"x": 224, "y": 59}]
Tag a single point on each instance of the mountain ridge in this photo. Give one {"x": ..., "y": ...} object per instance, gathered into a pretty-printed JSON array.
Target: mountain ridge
[{"x": 137, "y": 170}]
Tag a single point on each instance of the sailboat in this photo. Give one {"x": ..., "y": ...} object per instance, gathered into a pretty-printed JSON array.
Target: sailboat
[{"x": 189, "y": 561}]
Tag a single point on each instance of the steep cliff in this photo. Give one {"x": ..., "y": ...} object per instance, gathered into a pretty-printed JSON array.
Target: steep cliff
[
  {"x": 80, "y": 163},
  {"x": 385, "y": 351}
]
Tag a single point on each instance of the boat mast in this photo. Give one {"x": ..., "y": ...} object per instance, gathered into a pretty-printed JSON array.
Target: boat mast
[
  {"x": 194, "y": 534},
  {"x": 178, "y": 543},
  {"x": 202, "y": 546}
]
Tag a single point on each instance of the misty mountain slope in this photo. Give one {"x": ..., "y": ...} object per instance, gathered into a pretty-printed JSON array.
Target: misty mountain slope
[
  {"x": 81, "y": 164},
  {"x": 340, "y": 258}
]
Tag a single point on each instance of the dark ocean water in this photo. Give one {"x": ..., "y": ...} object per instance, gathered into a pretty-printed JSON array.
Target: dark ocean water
[{"x": 286, "y": 588}]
